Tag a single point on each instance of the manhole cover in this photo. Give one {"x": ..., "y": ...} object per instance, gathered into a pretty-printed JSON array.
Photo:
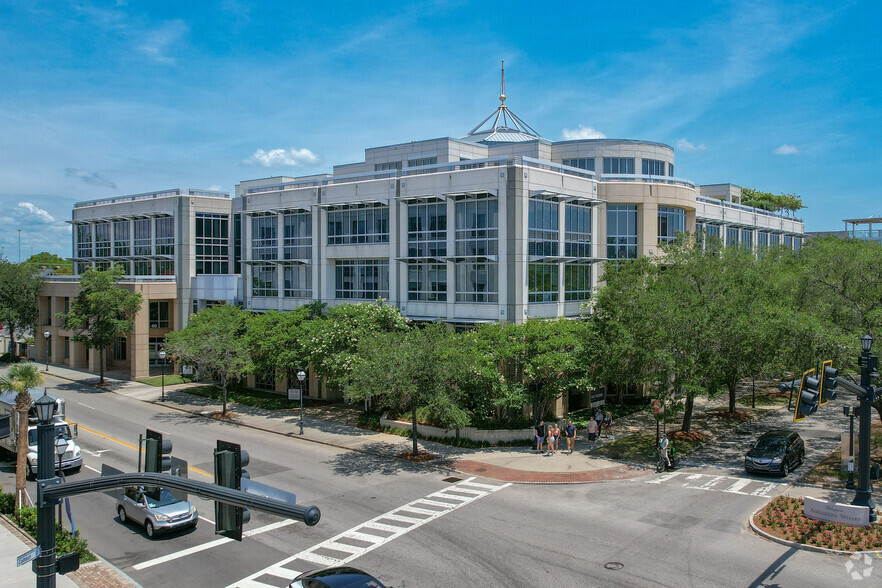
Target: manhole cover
[
  {"x": 452, "y": 479},
  {"x": 613, "y": 565}
]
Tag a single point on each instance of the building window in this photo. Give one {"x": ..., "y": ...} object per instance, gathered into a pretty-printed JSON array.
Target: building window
[
  {"x": 212, "y": 243},
  {"x": 154, "y": 344},
  {"x": 143, "y": 237},
  {"x": 84, "y": 241},
  {"x": 159, "y": 315},
  {"x": 66, "y": 305},
  {"x": 119, "y": 348},
  {"x": 102, "y": 265},
  {"x": 165, "y": 235},
  {"x": 670, "y": 222},
  {"x": 237, "y": 244},
  {"x": 142, "y": 268},
  {"x": 396, "y": 165},
  {"x": 747, "y": 238},
  {"x": 427, "y": 229},
  {"x": 265, "y": 381},
  {"x": 671, "y": 169},
  {"x": 621, "y": 231},
  {"x": 477, "y": 225},
  {"x": 421, "y": 161},
  {"x": 102, "y": 239},
  {"x": 127, "y": 267},
  {"x": 121, "y": 238},
  {"x": 731, "y": 235},
  {"x": 362, "y": 279},
  {"x": 653, "y": 167},
  {"x": 577, "y": 230},
  {"x": 797, "y": 243},
  {"x": 543, "y": 228},
  {"x": 581, "y": 163},
  {"x": 762, "y": 240},
  {"x": 66, "y": 347},
  {"x": 298, "y": 281},
  {"x": 712, "y": 230},
  {"x": 577, "y": 281},
  {"x": 788, "y": 241},
  {"x": 427, "y": 281},
  {"x": 264, "y": 240},
  {"x": 264, "y": 281},
  {"x": 774, "y": 240},
  {"x": 351, "y": 226},
  {"x": 618, "y": 165},
  {"x": 165, "y": 267},
  {"x": 477, "y": 282},
  {"x": 298, "y": 235},
  {"x": 82, "y": 266},
  {"x": 542, "y": 282}
]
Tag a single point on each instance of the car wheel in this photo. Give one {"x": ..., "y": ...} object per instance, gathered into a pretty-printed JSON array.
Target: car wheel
[
  {"x": 785, "y": 469},
  {"x": 122, "y": 514},
  {"x": 76, "y": 469},
  {"x": 148, "y": 526}
]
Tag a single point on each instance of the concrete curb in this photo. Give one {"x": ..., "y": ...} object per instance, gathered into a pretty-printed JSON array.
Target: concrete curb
[{"x": 803, "y": 546}]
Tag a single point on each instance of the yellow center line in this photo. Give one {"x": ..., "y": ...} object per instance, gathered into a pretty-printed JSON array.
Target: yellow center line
[{"x": 130, "y": 446}]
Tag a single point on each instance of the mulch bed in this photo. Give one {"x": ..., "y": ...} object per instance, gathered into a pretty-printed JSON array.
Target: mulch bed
[
  {"x": 690, "y": 436},
  {"x": 223, "y": 417},
  {"x": 783, "y": 518},
  {"x": 422, "y": 456}
]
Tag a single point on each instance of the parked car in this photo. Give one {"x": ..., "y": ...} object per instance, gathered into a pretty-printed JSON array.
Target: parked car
[
  {"x": 335, "y": 578},
  {"x": 776, "y": 452},
  {"x": 156, "y": 516}
]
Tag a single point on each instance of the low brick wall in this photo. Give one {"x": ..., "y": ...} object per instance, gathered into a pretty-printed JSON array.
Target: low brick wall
[{"x": 487, "y": 435}]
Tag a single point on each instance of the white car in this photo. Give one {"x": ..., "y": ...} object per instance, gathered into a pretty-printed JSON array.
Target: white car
[{"x": 156, "y": 516}]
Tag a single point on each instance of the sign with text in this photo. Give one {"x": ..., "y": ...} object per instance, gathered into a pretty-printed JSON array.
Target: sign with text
[
  {"x": 28, "y": 556},
  {"x": 834, "y": 512},
  {"x": 598, "y": 397},
  {"x": 293, "y": 393}
]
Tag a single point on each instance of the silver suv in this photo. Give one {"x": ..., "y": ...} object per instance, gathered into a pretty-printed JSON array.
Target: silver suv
[{"x": 157, "y": 516}]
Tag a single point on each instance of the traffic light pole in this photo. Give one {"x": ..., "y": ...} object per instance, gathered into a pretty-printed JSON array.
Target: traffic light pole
[{"x": 864, "y": 494}]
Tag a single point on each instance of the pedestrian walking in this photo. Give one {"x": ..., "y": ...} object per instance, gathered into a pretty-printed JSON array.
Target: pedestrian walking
[
  {"x": 571, "y": 436},
  {"x": 539, "y": 433},
  {"x": 598, "y": 418},
  {"x": 607, "y": 423},
  {"x": 556, "y": 437},
  {"x": 592, "y": 432},
  {"x": 550, "y": 440}
]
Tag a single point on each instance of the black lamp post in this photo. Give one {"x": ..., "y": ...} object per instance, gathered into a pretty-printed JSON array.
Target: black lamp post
[
  {"x": 48, "y": 336},
  {"x": 868, "y": 364},
  {"x": 162, "y": 355},
  {"x": 301, "y": 375},
  {"x": 60, "y": 448},
  {"x": 44, "y": 565},
  {"x": 849, "y": 412}
]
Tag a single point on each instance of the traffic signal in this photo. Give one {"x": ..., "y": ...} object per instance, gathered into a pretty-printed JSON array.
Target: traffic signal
[
  {"x": 229, "y": 461},
  {"x": 809, "y": 396},
  {"x": 828, "y": 382},
  {"x": 156, "y": 458}
]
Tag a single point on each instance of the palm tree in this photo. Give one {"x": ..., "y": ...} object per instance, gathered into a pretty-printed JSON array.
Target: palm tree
[{"x": 19, "y": 378}]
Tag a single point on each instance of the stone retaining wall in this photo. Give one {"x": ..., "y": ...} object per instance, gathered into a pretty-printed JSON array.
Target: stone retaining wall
[{"x": 489, "y": 436}]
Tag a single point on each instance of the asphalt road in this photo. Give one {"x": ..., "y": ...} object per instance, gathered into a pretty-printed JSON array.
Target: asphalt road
[{"x": 683, "y": 529}]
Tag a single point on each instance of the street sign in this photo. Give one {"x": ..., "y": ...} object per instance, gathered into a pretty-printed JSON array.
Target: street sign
[
  {"x": 28, "y": 556},
  {"x": 293, "y": 393},
  {"x": 598, "y": 397},
  {"x": 656, "y": 405}
]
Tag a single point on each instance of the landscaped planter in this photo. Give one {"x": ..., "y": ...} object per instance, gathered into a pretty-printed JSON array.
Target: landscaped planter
[{"x": 486, "y": 435}]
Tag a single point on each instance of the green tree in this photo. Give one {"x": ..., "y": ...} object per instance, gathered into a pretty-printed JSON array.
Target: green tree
[
  {"x": 769, "y": 201},
  {"x": 19, "y": 379},
  {"x": 102, "y": 311},
  {"x": 19, "y": 286},
  {"x": 215, "y": 341},
  {"x": 50, "y": 261},
  {"x": 410, "y": 371},
  {"x": 278, "y": 340}
]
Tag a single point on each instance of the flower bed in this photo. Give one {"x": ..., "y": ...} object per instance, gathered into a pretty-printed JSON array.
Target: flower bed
[{"x": 783, "y": 518}]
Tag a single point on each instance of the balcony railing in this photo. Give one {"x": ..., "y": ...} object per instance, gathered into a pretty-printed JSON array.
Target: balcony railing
[
  {"x": 151, "y": 195},
  {"x": 751, "y": 209}
]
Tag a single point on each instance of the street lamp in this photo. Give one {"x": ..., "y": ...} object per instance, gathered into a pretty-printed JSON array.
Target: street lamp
[
  {"x": 301, "y": 375},
  {"x": 162, "y": 358},
  {"x": 868, "y": 363},
  {"x": 44, "y": 565},
  {"x": 48, "y": 335}
]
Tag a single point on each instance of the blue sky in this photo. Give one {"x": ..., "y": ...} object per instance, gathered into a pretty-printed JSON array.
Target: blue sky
[{"x": 119, "y": 97}]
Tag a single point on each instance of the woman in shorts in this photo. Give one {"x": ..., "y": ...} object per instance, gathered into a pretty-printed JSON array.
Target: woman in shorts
[{"x": 551, "y": 439}]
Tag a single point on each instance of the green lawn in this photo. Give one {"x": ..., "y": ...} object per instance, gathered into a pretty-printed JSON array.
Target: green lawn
[
  {"x": 170, "y": 380},
  {"x": 256, "y": 398}
]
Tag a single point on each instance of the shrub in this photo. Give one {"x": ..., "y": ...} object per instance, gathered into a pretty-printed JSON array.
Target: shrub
[{"x": 9, "y": 358}]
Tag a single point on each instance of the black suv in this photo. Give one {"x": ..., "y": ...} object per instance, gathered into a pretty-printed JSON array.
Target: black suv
[{"x": 775, "y": 452}]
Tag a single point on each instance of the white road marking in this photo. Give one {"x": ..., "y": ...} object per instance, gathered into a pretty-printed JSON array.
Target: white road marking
[
  {"x": 363, "y": 533},
  {"x": 86, "y": 405},
  {"x": 96, "y": 453},
  {"x": 91, "y": 468},
  {"x": 209, "y": 545},
  {"x": 206, "y": 520},
  {"x": 729, "y": 484}
]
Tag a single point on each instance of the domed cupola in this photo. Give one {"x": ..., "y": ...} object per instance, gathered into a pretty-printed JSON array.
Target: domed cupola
[{"x": 506, "y": 126}]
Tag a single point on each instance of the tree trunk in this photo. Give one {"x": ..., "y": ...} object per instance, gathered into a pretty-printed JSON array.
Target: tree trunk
[
  {"x": 732, "y": 386},
  {"x": 414, "y": 427},
  {"x": 101, "y": 365},
  {"x": 21, "y": 456},
  {"x": 687, "y": 413},
  {"x": 13, "y": 348},
  {"x": 224, "y": 410}
]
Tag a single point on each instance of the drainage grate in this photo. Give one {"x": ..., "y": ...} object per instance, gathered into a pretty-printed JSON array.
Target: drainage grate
[
  {"x": 452, "y": 479},
  {"x": 613, "y": 565}
]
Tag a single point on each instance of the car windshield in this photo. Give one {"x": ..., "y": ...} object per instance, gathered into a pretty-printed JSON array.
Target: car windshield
[
  {"x": 62, "y": 431},
  {"x": 770, "y": 443},
  {"x": 165, "y": 498}
]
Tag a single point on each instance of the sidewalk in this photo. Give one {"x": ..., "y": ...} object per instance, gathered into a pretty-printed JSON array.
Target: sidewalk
[{"x": 507, "y": 464}]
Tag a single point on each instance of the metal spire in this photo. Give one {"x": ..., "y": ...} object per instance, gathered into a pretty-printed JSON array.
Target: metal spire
[
  {"x": 504, "y": 120},
  {"x": 502, "y": 86}
]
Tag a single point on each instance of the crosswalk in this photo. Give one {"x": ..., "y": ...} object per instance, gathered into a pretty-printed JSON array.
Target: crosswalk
[
  {"x": 730, "y": 484},
  {"x": 349, "y": 545}
]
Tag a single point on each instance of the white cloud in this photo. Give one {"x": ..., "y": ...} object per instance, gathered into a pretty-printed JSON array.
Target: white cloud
[
  {"x": 582, "y": 132},
  {"x": 282, "y": 158},
  {"x": 32, "y": 210},
  {"x": 684, "y": 145},
  {"x": 786, "y": 149},
  {"x": 215, "y": 187},
  {"x": 88, "y": 177},
  {"x": 157, "y": 42}
]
